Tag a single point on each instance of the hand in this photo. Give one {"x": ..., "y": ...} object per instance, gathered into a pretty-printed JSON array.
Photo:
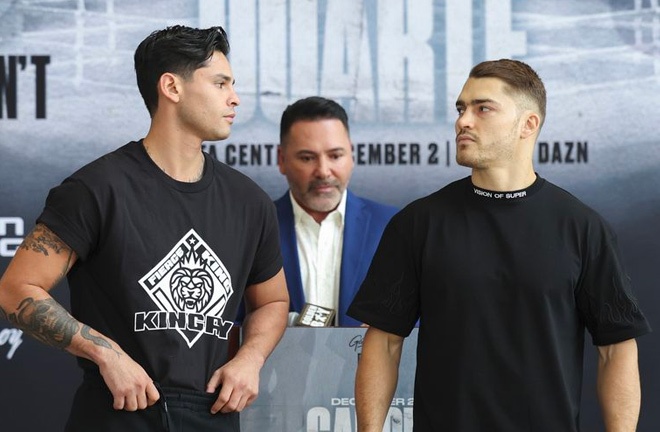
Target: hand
[
  {"x": 128, "y": 382},
  {"x": 239, "y": 379}
]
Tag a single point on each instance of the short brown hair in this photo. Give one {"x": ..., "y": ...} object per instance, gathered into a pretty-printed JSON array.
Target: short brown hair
[{"x": 519, "y": 78}]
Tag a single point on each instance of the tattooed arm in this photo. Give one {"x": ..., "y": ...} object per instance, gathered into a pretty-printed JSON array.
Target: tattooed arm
[{"x": 39, "y": 264}]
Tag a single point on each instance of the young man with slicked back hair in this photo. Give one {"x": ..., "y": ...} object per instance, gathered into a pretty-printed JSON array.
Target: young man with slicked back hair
[{"x": 160, "y": 243}]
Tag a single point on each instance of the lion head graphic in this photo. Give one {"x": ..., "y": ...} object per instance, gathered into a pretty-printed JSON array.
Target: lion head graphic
[{"x": 191, "y": 285}]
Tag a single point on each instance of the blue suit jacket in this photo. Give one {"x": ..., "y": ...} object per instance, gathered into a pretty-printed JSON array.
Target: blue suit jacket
[{"x": 364, "y": 223}]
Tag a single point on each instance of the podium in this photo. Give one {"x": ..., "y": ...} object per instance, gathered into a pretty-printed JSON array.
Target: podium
[{"x": 307, "y": 384}]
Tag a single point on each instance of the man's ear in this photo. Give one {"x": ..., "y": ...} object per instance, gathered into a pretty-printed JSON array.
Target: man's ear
[
  {"x": 169, "y": 86},
  {"x": 531, "y": 124}
]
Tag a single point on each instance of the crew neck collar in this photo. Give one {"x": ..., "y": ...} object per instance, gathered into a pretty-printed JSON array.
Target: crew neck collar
[
  {"x": 207, "y": 174},
  {"x": 507, "y": 196}
]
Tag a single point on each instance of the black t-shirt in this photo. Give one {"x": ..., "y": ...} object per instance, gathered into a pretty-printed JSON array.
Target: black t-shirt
[
  {"x": 504, "y": 285},
  {"x": 163, "y": 264}
]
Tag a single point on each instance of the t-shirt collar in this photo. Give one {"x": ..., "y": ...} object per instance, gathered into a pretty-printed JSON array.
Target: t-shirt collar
[{"x": 507, "y": 196}]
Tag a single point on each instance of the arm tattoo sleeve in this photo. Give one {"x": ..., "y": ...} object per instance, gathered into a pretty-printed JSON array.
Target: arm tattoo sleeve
[{"x": 45, "y": 320}]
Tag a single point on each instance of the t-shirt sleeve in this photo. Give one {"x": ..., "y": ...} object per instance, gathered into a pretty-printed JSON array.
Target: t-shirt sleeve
[
  {"x": 604, "y": 297},
  {"x": 72, "y": 214},
  {"x": 388, "y": 299},
  {"x": 268, "y": 258}
]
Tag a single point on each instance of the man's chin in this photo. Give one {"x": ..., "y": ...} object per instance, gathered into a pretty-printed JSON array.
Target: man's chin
[
  {"x": 218, "y": 136},
  {"x": 465, "y": 162},
  {"x": 324, "y": 205}
]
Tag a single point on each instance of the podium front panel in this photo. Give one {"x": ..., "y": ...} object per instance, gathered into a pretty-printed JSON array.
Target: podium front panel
[{"x": 307, "y": 384}]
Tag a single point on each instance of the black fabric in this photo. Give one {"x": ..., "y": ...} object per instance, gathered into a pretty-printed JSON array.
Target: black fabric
[
  {"x": 176, "y": 411},
  {"x": 504, "y": 285},
  {"x": 163, "y": 264}
]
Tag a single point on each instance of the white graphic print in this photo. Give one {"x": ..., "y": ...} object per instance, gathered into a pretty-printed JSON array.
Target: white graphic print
[{"x": 191, "y": 288}]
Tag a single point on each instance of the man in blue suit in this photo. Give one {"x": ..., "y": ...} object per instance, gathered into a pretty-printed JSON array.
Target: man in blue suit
[{"x": 328, "y": 235}]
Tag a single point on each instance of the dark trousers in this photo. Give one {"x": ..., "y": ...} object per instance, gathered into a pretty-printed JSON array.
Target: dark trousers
[{"x": 177, "y": 410}]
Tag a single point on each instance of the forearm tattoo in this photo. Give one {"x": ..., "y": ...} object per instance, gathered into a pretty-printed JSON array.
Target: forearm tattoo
[
  {"x": 45, "y": 320},
  {"x": 96, "y": 340}
]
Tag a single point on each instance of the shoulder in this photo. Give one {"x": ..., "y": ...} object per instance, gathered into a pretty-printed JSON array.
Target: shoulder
[
  {"x": 567, "y": 203},
  {"x": 109, "y": 168},
  {"x": 284, "y": 209},
  {"x": 238, "y": 183},
  {"x": 370, "y": 206},
  {"x": 283, "y": 201},
  {"x": 442, "y": 199},
  {"x": 429, "y": 210}
]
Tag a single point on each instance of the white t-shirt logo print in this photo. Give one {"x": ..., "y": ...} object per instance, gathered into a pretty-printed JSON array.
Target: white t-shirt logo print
[{"x": 191, "y": 288}]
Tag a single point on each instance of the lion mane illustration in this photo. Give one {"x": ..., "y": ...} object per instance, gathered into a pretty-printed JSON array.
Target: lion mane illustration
[{"x": 191, "y": 285}]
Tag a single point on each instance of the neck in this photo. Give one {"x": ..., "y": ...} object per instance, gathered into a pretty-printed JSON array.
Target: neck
[
  {"x": 503, "y": 180},
  {"x": 184, "y": 164}
]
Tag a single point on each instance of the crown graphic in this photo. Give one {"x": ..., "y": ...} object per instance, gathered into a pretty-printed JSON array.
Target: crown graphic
[{"x": 193, "y": 261}]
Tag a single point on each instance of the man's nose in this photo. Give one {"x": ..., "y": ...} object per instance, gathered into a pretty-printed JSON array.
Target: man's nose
[
  {"x": 323, "y": 168},
  {"x": 464, "y": 121},
  {"x": 233, "y": 100}
]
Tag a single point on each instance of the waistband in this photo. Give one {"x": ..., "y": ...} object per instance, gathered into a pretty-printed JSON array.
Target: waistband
[
  {"x": 178, "y": 397},
  {"x": 170, "y": 397},
  {"x": 175, "y": 393}
]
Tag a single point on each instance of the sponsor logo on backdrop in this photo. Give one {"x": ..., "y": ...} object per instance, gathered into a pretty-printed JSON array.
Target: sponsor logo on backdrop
[
  {"x": 15, "y": 68},
  {"x": 356, "y": 344},
  {"x": 563, "y": 152},
  {"x": 11, "y": 338},
  {"x": 191, "y": 287},
  {"x": 12, "y": 230}
]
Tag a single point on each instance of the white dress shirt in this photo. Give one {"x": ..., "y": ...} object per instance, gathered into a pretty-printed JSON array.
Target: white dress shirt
[{"x": 319, "y": 253}]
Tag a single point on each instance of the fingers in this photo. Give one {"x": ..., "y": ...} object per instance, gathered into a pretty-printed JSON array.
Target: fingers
[
  {"x": 118, "y": 403},
  {"x": 239, "y": 386},
  {"x": 139, "y": 399},
  {"x": 127, "y": 403},
  {"x": 234, "y": 403},
  {"x": 152, "y": 394},
  {"x": 130, "y": 403},
  {"x": 221, "y": 401},
  {"x": 233, "y": 399},
  {"x": 214, "y": 382},
  {"x": 131, "y": 387}
]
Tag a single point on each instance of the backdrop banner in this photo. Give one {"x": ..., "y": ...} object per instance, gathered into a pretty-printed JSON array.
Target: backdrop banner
[
  {"x": 307, "y": 384},
  {"x": 68, "y": 95}
]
